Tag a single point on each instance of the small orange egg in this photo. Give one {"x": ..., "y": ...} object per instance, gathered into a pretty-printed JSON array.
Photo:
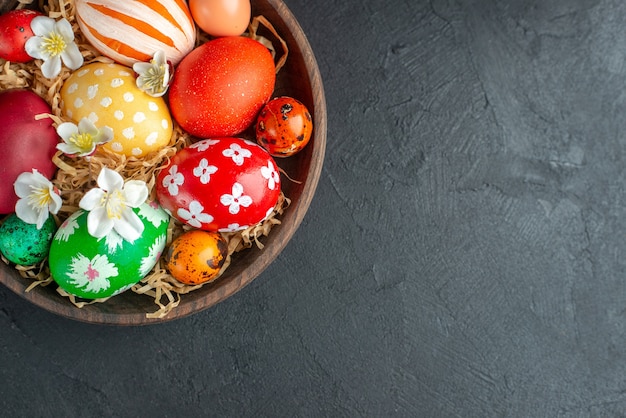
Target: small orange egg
[
  {"x": 221, "y": 17},
  {"x": 284, "y": 126},
  {"x": 196, "y": 256}
]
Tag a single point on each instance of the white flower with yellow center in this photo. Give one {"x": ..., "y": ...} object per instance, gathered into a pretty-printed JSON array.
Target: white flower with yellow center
[
  {"x": 81, "y": 140},
  {"x": 53, "y": 42},
  {"x": 154, "y": 76},
  {"x": 38, "y": 198},
  {"x": 111, "y": 204}
]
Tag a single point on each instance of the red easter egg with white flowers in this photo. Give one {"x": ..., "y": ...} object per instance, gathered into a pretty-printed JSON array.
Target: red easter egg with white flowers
[{"x": 221, "y": 184}]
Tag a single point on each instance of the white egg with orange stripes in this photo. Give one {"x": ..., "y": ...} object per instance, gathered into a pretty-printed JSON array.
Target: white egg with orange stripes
[{"x": 132, "y": 31}]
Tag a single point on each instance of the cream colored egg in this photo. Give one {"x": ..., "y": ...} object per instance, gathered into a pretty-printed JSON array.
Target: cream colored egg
[{"x": 108, "y": 96}]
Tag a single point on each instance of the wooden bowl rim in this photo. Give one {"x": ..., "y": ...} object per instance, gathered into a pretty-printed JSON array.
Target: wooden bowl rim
[{"x": 60, "y": 306}]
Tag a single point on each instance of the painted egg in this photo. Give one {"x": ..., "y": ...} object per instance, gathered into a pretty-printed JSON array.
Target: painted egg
[
  {"x": 22, "y": 243},
  {"x": 93, "y": 268},
  {"x": 284, "y": 126},
  {"x": 27, "y": 143},
  {"x": 221, "y": 17},
  {"x": 15, "y": 30},
  {"x": 108, "y": 95},
  {"x": 222, "y": 184},
  {"x": 220, "y": 87},
  {"x": 132, "y": 31},
  {"x": 196, "y": 256}
]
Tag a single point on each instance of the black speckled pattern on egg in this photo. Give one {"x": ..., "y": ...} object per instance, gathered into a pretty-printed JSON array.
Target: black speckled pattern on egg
[{"x": 22, "y": 243}]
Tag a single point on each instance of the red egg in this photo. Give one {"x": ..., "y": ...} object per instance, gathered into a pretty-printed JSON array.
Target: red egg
[
  {"x": 219, "y": 88},
  {"x": 26, "y": 143},
  {"x": 222, "y": 184},
  {"x": 14, "y": 32}
]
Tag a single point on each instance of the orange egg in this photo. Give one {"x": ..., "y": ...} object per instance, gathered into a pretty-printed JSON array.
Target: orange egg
[
  {"x": 284, "y": 126},
  {"x": 221, "y": 17},
  {"x": 196, "y": 256}
]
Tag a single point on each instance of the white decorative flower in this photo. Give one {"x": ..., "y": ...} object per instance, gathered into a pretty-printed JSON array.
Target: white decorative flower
[
  {"x": 111, "y": 204},
  {"x": 67, "y": 228},
  {"x": 38, "y": 198},
  {"x": 53, "y": 42},
  {"x": 271, "y": 175},
  {"x": 235, "y": 200},
  {"x": 154, "y": 76},
  {"x": 91, "y": 275},
  {"x": 154, "y": 253},
  {"x": 233, "y": 228},
  {"x": 113, "y": 241},
  {"x": 194, "y": 216},
  {"x": 172, "y": 180},
  {"x": 153, "y": 213},
  {"x": 81, "y": 140},
  {"x": 237, "y": 153},
  {"x": 204, "y": 171},
  {"x": 204, "y": 145}
]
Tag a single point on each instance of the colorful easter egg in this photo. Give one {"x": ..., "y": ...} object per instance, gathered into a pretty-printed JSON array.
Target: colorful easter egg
[
  {"x": 284, "y": 126},
  {"x": 22, "y": 243},
  {"x": 222, "y": 184},
  {"x": 15, "y": 30},
  {"x": 132, "y": 31},
  {"x": 196, "y": 256},
  {"x": 27, "y": 141},
  {"x": 108, "y": 95},
  {"x": 221, "y": 17},
  {"x": 220, "y": 87},
  {"x": 94, "y": 268}
]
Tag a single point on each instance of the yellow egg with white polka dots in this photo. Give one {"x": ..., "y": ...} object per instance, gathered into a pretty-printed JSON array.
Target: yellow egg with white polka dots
[{"x": 108, "y": 95}]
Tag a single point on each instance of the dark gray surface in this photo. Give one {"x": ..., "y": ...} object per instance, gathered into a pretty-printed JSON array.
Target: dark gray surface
[{"x": 463, "y": 256}]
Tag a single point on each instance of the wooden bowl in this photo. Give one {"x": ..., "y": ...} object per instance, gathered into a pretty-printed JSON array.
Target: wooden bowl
[{"x": 299, "y": 78}]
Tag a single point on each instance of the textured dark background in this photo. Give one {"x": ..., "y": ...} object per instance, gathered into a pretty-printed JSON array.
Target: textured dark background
[{"x": 463, "y": 256}]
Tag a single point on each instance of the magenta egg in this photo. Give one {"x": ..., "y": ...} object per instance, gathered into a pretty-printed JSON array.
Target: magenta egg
[{"x": 27, "y": 142}]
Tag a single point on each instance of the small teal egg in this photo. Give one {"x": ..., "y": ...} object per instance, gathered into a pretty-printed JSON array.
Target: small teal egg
[
  {"x": 93, "y": 268},
  {"x": 22, "y": 243}
]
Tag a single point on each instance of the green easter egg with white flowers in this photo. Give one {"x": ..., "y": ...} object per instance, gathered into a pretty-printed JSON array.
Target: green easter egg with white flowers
[{"x": 94, "y": 268}]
